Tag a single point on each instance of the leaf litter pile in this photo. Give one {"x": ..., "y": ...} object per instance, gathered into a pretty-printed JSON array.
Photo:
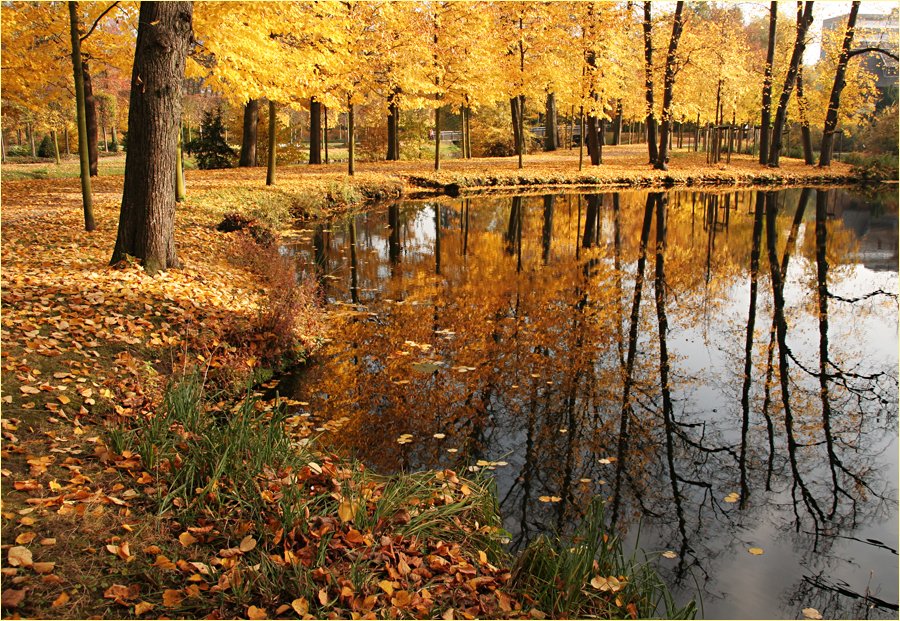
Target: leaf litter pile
[{"x": 141, "y": 479}]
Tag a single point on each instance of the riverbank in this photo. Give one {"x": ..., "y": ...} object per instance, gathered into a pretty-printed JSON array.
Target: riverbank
[{"x": 98, "y": 506}]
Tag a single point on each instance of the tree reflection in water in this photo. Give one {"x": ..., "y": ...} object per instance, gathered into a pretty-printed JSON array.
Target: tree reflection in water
[{"x": 543, "y": 356}]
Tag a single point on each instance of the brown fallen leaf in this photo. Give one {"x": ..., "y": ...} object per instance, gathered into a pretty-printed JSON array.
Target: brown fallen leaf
[
  {"x": 247, "y": 544},
  {"x": 20, "y": 556},
  {"x": 142, "y": 607},
  {"x": 11, "y": 598},
  {"x": 186, "y": 539},
  {"x": 255, "y": 613},
  {"x": 24, "y": 538},
  {"x": 43, "y": 568},
  {"x": 62, "y": 599}
]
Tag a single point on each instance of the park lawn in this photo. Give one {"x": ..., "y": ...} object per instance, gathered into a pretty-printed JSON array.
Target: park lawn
[{"x": 92, "y": 355}]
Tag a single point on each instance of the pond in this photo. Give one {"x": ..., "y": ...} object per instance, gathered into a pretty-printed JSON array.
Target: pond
[{"x": 722, "y": 367}]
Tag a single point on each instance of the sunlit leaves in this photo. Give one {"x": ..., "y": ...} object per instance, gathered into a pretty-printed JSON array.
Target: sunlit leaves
[{"x": 755, "y": 551}]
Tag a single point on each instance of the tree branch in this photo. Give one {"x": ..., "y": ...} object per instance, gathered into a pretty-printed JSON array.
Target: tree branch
[
  {"x": 102, "y": 15},
  {"x": 880, "y": 50}
]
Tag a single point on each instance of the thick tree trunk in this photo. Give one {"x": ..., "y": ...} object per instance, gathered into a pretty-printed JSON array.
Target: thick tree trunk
[
  {"x": 147, "y": 218},
  {"x": 90, "y": 111},
  {"x": 803, "y": 23},
  {"x": 273, "y": 145},
  {"x": 514, "y": 109},
  {"x": 767, "y": 88},
  {"x": 114, "y": 142},
  {"x": 648, "y": 84},
  {"x": 393, "y": 127},
  {"x": 248, "y": 136},
  {"x": 550, "y": 126},
  {"x": 315, "y": 131},
  {"x": 834, "y": 103},
  {"x": 593, "y": 142},
  {"x": 78, "y": 75},
  {"x": 665, "y": 134},
  {"x": 325, "y": 131}
]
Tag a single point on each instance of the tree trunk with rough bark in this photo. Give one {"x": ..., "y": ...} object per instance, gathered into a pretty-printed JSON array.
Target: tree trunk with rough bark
[
  {"x": 147, "y": 217},
  {"x": 393, "y": 129},
  {"x": 78, "y": 75},
  {"x": 248, "y": 136},
  {"x": 315, "y": 131},
  {"x": 648, "y": 84},
  {"x": 834, "y": 102},
  {"x": 90, "y": 112},
  {"x": 273, "y": 145},
  {"x": 550, "y": 126},
  {"x": 664, "y": 136},
  {"x": 767, "y": 88}
]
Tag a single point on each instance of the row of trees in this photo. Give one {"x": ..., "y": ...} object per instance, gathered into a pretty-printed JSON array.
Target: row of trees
[{"x": 413, "y": 55}]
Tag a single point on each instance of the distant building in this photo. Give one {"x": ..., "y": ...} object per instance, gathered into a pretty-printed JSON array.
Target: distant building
[{"x": 878, "y": 30}]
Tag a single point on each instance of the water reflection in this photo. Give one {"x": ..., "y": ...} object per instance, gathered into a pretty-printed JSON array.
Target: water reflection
[{"x": 751, "y": 403}]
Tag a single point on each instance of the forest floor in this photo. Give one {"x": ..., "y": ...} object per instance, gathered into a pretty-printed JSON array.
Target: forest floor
[{"x": 90, "y": 353}]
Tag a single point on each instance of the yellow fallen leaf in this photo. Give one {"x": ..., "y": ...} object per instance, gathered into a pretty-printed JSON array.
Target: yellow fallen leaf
[
  {"x": 401, "y": 600},
  {"x": 347, "y": 510},
  {"x": 186, "y": 539},
  {"x": 142, "y": 607},
  {"x": 387, "y": 586},
  {"x": 756, "y": 551},
  {"x": 171, "y": 598},
  {"x": 256, "y": 613},
  {"x": 300, "y": 606},
  {"x": 24, "y": 538},
  {"x": 62, "y": 599}
]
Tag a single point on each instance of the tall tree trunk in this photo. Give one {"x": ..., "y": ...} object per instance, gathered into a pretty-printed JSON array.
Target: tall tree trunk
[
  {"x": 648, "y": 84},
  {"x": 617, "y": 127},
  {"x": 437, "y": 138},
  {"x": 66, "y": 140},
  {"x": 248, "y": 137},
  {"x": 834, "y": 103},
  {"x": 393, "y": 127},
  {"x": 550, "y": 126},
  {"x": 147, "y": 218},
  {"x": 315, "y": 131},
  {"x": 31, "y": 139},
  {"x": 325, "y": 131},
  {"x": 593, "y": 141},
  {"x": 351, "y": 139},
  {"x": 767, "y": 88},
  {"x": 514, "y": 109},
  {"x": 581, "y": 142},
  {"x": 3, "y": 147},
  {"x": 273, "y": 145},
  {"x": 664, "y": 136},
  {"x": 803, "y": 23},
  {"x": 55, "y": 147},
  {"x": 114, "y": 142},
  {"x": 805, "y": 134},
  {"x": 86, "y": 199},
  {"x": 105, "y": 143},
  {"x": 521, "y": 130},
  {"x": 90, "y": 111}
]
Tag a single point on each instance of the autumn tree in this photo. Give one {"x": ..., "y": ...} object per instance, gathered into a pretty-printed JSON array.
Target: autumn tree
[
  {"x": 147, "y": 216},
  {"x": 668, "y": 90},
  {"x": 834, "y": 102},
  {"x": 767, "y": 86},
  {"x": 803, "y": 24}
]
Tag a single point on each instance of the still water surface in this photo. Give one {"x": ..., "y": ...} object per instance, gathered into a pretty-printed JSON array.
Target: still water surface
[{"x": 721, "y": 367}]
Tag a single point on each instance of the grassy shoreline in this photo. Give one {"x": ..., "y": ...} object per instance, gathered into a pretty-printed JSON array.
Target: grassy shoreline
[{"x": 115, "y": 488}]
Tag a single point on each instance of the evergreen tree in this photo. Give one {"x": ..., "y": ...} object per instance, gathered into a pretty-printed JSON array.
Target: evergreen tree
[{"x": 210, "y": 147}]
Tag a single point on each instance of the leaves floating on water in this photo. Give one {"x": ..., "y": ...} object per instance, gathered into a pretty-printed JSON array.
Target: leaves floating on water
[
  {"x": 669, "y": 554},
  {"x": 549, "y": 498},
  {"x": 755, "y": 551},
  {"x": 732, "y": 497},
  {"x": 425, "y": 367},
  {"x": 811, "y": 613}
]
